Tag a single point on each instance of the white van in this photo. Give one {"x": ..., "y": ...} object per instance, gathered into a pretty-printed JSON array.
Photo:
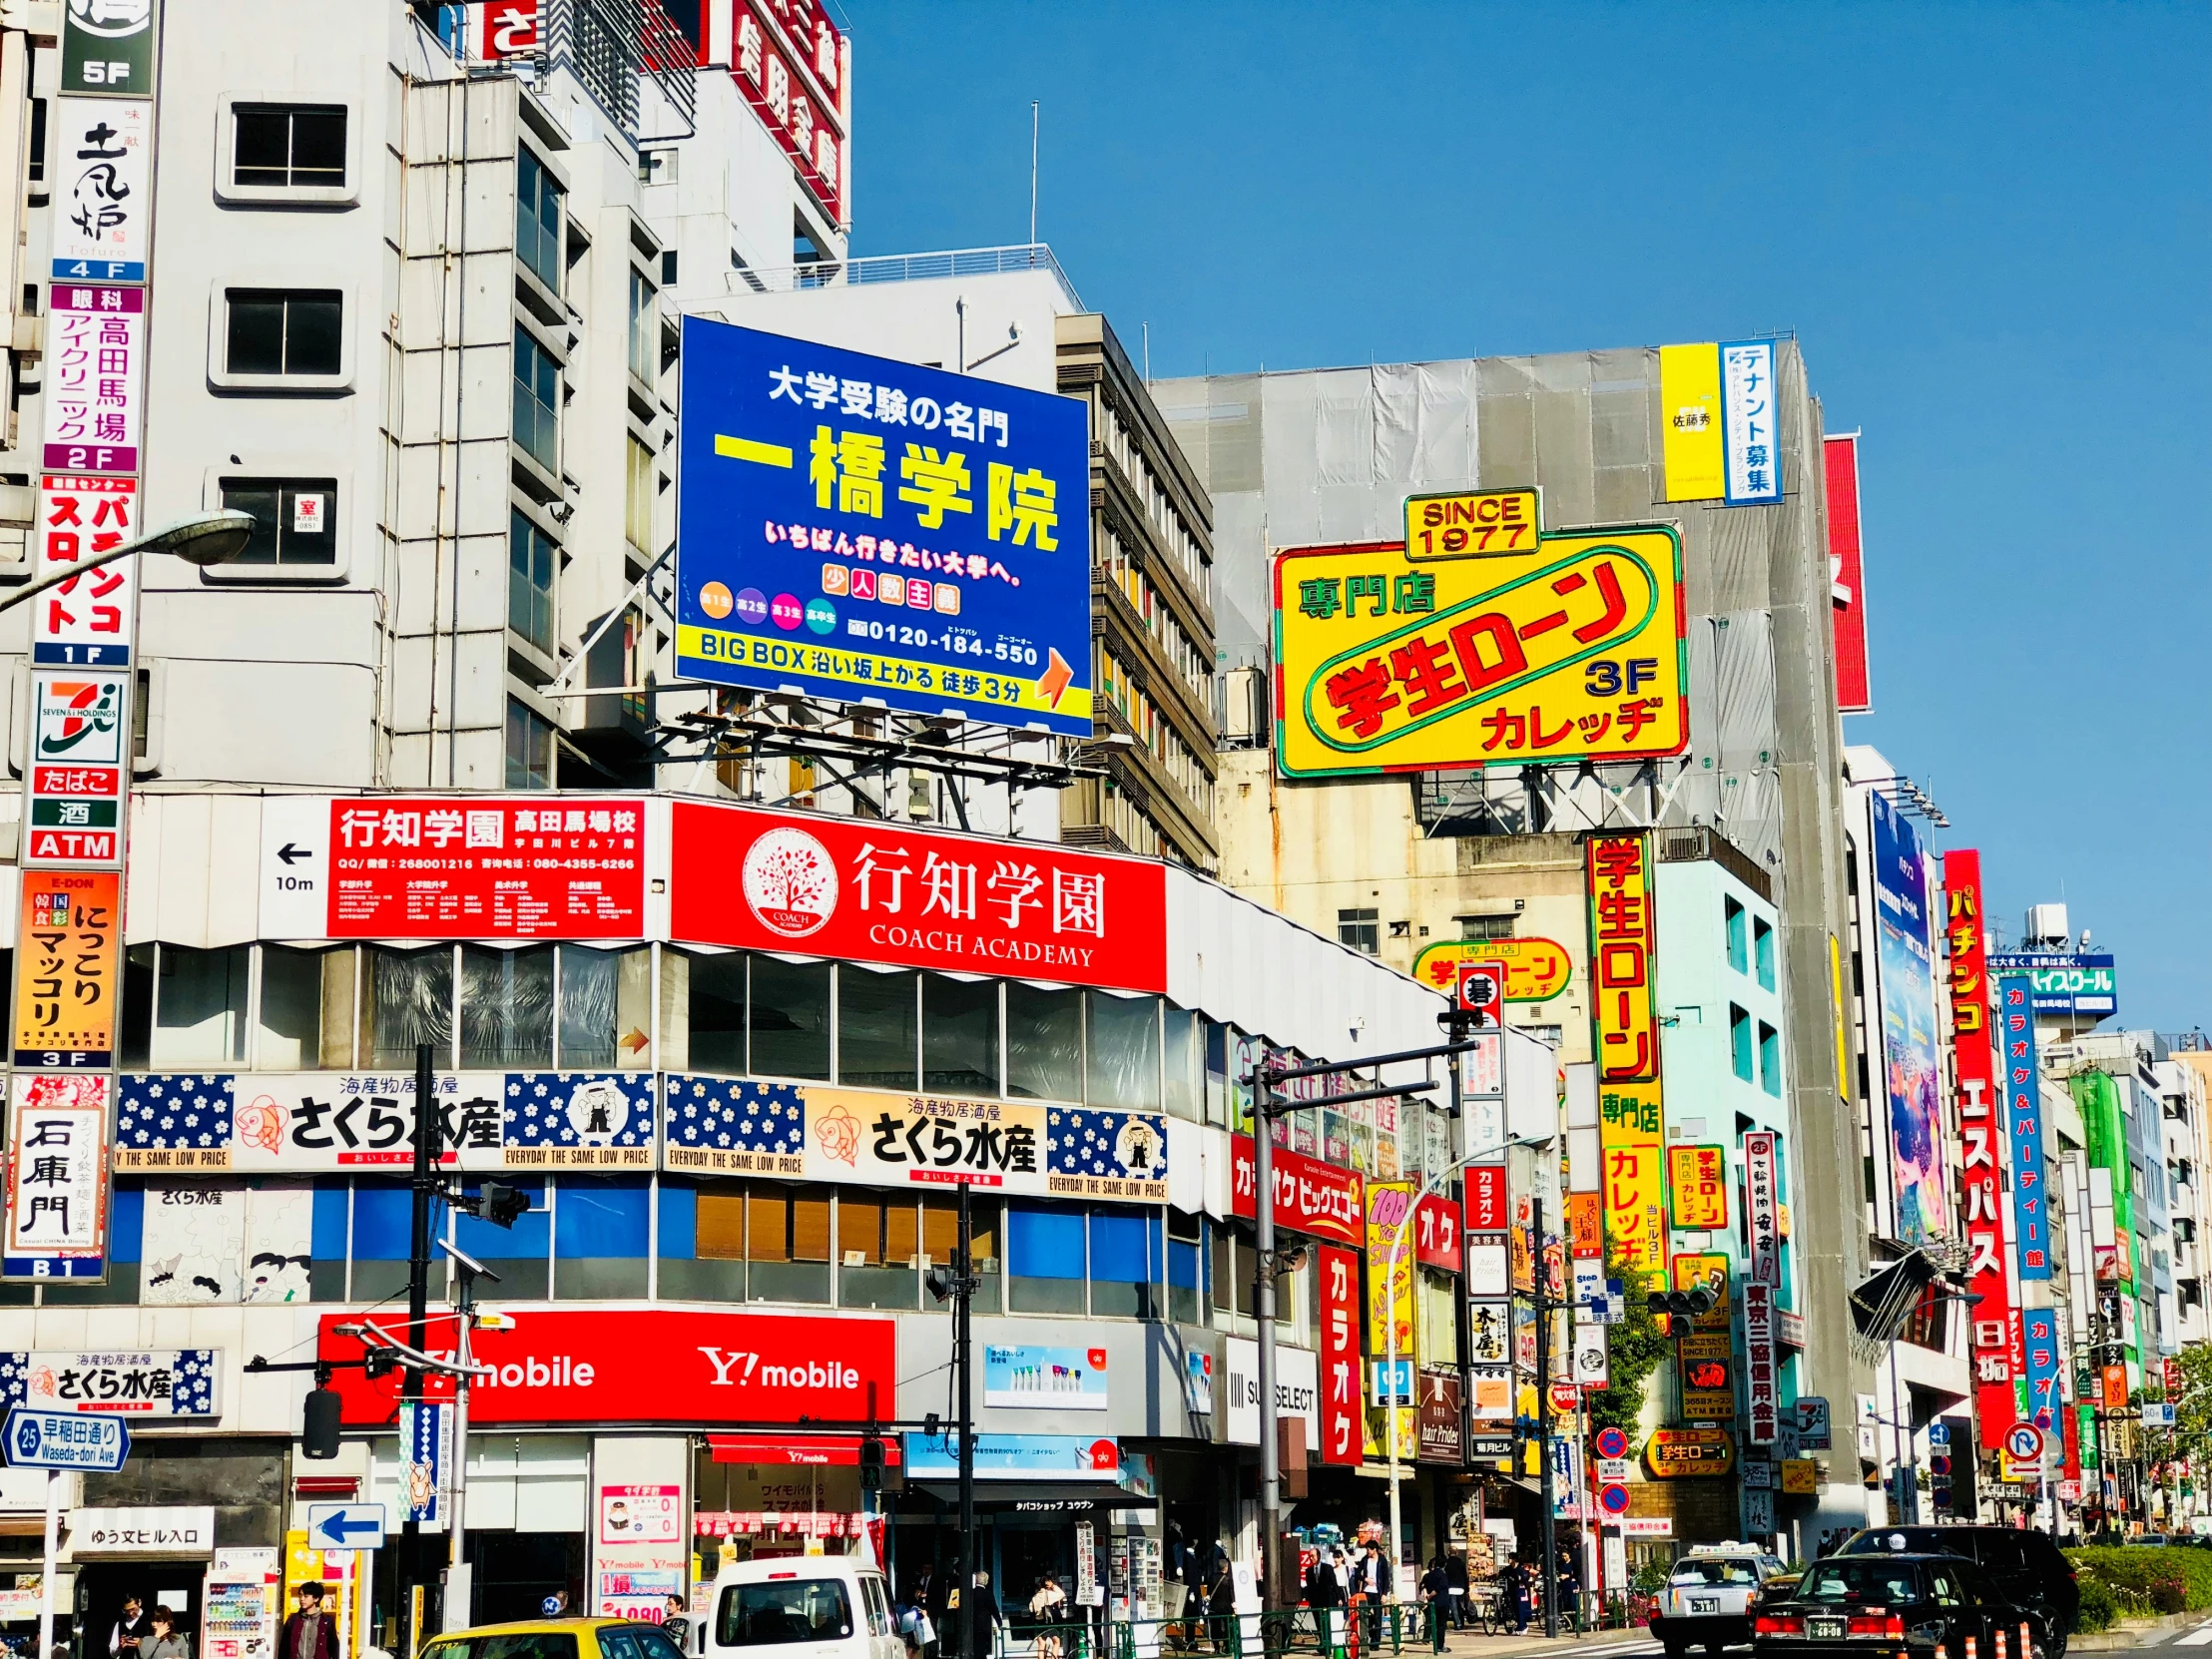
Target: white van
[{"x": 800, "y": 1607}]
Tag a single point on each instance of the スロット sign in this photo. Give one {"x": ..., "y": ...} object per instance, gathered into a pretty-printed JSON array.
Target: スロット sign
[
  {"x": 865, "y": 530},
  {"x": 1569, "y": 650}
]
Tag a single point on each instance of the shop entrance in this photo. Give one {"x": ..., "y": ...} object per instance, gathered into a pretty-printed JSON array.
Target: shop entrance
[
  {"x": 516, "y": 1571},
  {"x": 103, "y": 1586}
]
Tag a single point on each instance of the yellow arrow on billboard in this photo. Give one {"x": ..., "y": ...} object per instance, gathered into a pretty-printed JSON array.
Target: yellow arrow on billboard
[{"x": 750, "y": 449}]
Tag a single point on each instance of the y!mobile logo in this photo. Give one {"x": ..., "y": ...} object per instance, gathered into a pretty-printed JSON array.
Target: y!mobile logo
[{"x": 735, "y": 1369}]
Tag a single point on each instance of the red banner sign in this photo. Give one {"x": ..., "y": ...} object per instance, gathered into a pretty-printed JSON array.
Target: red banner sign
[
  {"x": 1436, "y": 1233},
  {"x": 645, "y": 1366},
  {"x": 1309, "y": 1196},
  {"x": 486, "y": 868},
  {"x": 1847, "y": 571},
  {"x": 1486, "y": 1198},
  {"x": 888, "y": 892},
  {"x": 1341, "y": 1437},
  {"x": 1996, "y": 1324}
]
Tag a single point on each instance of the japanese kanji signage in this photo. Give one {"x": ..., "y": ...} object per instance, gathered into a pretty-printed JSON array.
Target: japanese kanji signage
[
  {"x": 2065, "y": 982},
  {"x": 1569, "y": 650},
  {"x": 87, "y": 622},
  {"x": 2023, "y": 1121},
  {"x": 864, "y": 530},
  {"x": 171, "y": 1383},
  {"x": 1995, "y": 1328},
  {"x": 893, "y": 894},
  {"x": 98, "y": 155},
  {"x": 791, "y": 63},
  {"x": 520, "y": 868},
  {"x": 1340, "y": 1409},
  {"x": 1309, "y": 1196},
  {"x": 1751, "y": 433},
  {"x": 1536, "y": 970},
  {"x": 57, "y": 1225},
  {"x": 736, "y": 1126},
  {"x": 1436, "y": 1233},
  {"x": 213, "y": 1123},
  {"x": 95, "y": 375},
  {"x": 1697, "y": 1181},
  {"x": 108, "y": 47},
  {"x": 68, "y": 961},
  {"x": 1625, "y": 1030},
  {"x": 1763, "y": 1205},
  {"x": 1690, "y": 421},
  {"x": 2044, "y": 1358},
  {"x": 1762, "y": 1385},
  {"x": 1389, "y": 1293},
  {"x": 1847, "y": 571}
]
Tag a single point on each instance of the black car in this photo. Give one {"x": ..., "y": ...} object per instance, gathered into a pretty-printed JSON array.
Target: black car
[
  {"x": 1896, "y": 1606},
  {"x": 2025, "y": 1567}
]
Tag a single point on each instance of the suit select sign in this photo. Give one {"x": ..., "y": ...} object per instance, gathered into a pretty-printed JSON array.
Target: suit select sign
[{"x": 646, "y": 1366}]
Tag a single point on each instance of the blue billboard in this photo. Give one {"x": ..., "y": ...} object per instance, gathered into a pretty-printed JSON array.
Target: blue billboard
[
  {"x": 862, "y": 530},
  {"x": 2068, "y": 982},
  {"x": 1912, "y": 1064}
]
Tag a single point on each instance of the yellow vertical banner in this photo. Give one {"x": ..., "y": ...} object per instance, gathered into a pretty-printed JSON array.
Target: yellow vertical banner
[
  {"x": 1690, "y": 421},
  {"x": 1389, "y": 1295},
  {"x": 1624, "y": 1031}
]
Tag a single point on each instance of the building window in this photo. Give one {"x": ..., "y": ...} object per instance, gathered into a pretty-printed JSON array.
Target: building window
[
  {"x": 645, "y": 330},
  {"x": 529, "y": 748},
  {"x": 637, "y": 498},
  {"x": 280, "y": 331},
  {"x": 1486, "y": 928},
  {"x": 295, "y": 519},
  {"x": 878, "y": 1028},
  {"x": 1770, "y": 1059},
  {"x": 1044, "y": 1044},
  {"x": 1732, "y": 916},
  {"x": 530, "y": 562},
  {"x": 602, "y": 1238},
  {"x": 1044, "y": 1259},
  {"x": 407, "y": 1000},
  {"x": 1761, "y": 953},
  {"x": 959, "y": 1037},
  {"x": 279, "y": 145},
  {"x": 1361, "y": 929},
  {"x": 537, "y": 401},
  {"x": 1739, "y": 1042},
  {"x": 1123, "y": 1054},
  {"x": 200, "y": 1006},
  {"x": 1126, "y": 1262},
  {"x": 789, "y": 1018},
  {"x": 538, "y": 220}
]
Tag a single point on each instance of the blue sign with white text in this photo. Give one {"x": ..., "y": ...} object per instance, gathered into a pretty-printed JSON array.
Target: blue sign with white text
[
  {"x": 863, "y": 530},
  {"x": 2039, "y": 1341},
  {"x": 2023, "y": 1125},
  {"x": 64, "y": 1441}
]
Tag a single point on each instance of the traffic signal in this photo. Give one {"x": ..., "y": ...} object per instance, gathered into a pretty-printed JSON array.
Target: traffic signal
[
  {"x": 501, "y": 1204},
  {"x": 319, "y": 1433},
  {"x": 1672, "y": 1311},
  {"x": 872, "y": 1464},
  {"x": 379, "y": 1362}
]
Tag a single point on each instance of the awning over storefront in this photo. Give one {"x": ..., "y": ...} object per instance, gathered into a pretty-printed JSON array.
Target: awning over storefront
[{"x": 798, "y": 1450}]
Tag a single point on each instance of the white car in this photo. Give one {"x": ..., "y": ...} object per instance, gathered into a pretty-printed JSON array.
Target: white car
[
  {"x": 1707, "y": 1601},
  {"x": 801, "y": 1607}
]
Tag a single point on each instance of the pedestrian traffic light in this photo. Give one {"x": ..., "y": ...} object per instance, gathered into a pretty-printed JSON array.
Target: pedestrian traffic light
[
  {"x": 318, "y": 1432},
  {"x": 872, "y": 1464}
]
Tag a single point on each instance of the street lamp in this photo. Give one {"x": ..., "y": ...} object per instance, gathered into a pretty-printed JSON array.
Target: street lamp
[{"x": 204, "y": 539}]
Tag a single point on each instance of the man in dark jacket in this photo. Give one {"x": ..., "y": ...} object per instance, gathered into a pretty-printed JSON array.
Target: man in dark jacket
[
  {"x": 309, "y": 1633},
  {"x": 1455, "y": 1582},
  {"x": 1370, "y": 1579}
]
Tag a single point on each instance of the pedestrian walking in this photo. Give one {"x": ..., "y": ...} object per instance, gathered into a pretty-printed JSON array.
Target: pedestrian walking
[
  {"x": 1456, "y": 1587},
  {"x": 1435, "y": 1598}
]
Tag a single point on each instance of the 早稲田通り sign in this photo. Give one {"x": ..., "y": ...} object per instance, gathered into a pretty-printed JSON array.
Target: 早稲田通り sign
[{"x": 856, "y": 528}]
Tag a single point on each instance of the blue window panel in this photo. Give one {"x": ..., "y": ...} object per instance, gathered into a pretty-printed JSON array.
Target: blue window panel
[
  {"x": 1733, "y": 912},
  {"x": 1739, "y": 1042},
  {"x": 527, "y": 1240},
  {"x": 383, "y": 1214},
  {"x": 1761, "y": 938},
  {"x": 603, "y": 1216},
  {"x": 679, "y": 1222},
  {"x": 1044, "y": 1244},
  {"x": 1183, "y": 1264},
  {"x": 1125, "y": 1249},
  {"x": 327, "y": 1233},
  {"x": 127, "y": 1223},
  {"x": 1770, "y": 1059}
]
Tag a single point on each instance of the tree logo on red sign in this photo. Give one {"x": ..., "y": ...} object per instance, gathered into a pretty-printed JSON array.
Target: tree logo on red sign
[{"x": 790, "y": 882}]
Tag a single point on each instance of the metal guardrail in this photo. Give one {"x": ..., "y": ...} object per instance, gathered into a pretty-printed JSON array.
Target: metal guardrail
[
  {"x": 901, "y": 267},
  {"x": 1324, "y": 1633}
]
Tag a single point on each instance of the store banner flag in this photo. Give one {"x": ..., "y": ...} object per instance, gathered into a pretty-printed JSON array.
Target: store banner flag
[
  {"x": 1994, "y": 1331},
  {"x": 1751, "y": 436},
  {"x": 1690, "y": 421},
  {"x": 1625, "y": 1039},
  {"x": 1846, "y": 573},
  {"x": 1342, "y": 1401},
  {"x": 859, "y": 529}
]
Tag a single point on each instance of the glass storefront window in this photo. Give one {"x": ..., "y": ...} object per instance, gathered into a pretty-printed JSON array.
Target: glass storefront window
[
  {"x": 407, "y": 998},
  {"x": 200, "y": 1005},
  {"x": 1183, "y": 1057},
  {"x": 288, "y": 1023},
  {"x": 1186, "y": 1246},
  {"x": 789, "y": 1018},
  {"x": 506, "y": 1008},
  {"x": 383, "y": 1216},
  {"x": 877, "y": 1034},
  {"x": 715, "y": 1004},
  {"x": 1044, "y": 1044},
  {"x": 959, "y": 1037},
  {"x": 1123, "y": 1069},
  {"x": 1217, "y": 1072},
  {"x": 602, "y": 1237},
  {"x": 588, "y": 1029},
  {"x": 1044, "y": 1259}
]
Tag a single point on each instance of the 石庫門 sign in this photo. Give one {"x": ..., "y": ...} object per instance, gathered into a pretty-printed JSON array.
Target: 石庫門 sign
[
  {"x": 856, "y": 528},
  {"x": 1566, "y": 650}
]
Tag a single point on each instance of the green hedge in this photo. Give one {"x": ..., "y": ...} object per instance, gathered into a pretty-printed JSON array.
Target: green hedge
[{"x": 2138, "y": 1582}]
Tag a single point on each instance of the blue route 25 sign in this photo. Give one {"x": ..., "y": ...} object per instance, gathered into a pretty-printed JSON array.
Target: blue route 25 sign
[
  {"x": 862, "y": 530},
  {"x": 64, "y": 1441}
]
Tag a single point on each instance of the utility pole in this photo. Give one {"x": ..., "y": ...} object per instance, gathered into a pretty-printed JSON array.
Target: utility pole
[
  {"x": 1544, "y": 1416},
  {"x": 971, "y": 1631},
  {"x": 429, "y": 1125},
  {"x": 1263, "y": 1312}
]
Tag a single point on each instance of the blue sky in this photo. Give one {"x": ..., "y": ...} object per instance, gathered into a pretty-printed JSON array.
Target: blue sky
[{"x": 1987, "y": 225}]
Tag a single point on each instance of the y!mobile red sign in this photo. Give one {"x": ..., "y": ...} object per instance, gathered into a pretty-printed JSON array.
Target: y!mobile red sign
[
  {"x": 646, "y": 1366},
  {"x": 886, "y": 892},
  {"x": 1309, "y": 1196},
  {"x": 520, "y": 870}
]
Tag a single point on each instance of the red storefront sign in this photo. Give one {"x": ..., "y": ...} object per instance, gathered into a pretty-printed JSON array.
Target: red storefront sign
[
  {"x": 886, "y": 892},
  {"x": 1309, "y": 1196},
  {"x": 797, "y": 1450},
  {"x": 1341, "y": 1438},
  {"x": 1848, "y": 573},
  {"x": 1436, "y": 1233},
  {"x": 645, "y": 1366},
  {"x": 1486, "y": 1198},
  {"x": 1764, "y": 1397},
  {"x": 1995, "y": 1330},
  {"x": 488, "y": 869}
]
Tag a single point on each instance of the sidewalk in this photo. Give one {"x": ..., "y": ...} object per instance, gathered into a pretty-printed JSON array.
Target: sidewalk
[{"x": 1464, "y": 1644}]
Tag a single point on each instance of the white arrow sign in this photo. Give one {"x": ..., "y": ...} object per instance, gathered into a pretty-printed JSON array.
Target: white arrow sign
[{"x": 345, "y": 1526}]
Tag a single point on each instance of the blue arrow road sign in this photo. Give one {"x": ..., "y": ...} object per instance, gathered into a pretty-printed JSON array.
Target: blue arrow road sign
[
  {"x": 64, "y": 1441},
  {"x": 345, "y": 1526}
]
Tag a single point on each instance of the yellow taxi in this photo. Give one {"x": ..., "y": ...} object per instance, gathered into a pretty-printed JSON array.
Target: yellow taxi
[{"x": 556, "y": 1639}]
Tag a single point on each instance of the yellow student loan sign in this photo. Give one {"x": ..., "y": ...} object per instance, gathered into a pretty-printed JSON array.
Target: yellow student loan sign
[{"x": 1570, "y": 649}]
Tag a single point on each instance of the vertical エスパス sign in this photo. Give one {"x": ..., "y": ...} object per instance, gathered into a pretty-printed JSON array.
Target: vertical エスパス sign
[
  {"x": 1995, "y": 1328},
  {"x": 77, "y": 776},
  {"x": 1625, "y": 1038}
]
